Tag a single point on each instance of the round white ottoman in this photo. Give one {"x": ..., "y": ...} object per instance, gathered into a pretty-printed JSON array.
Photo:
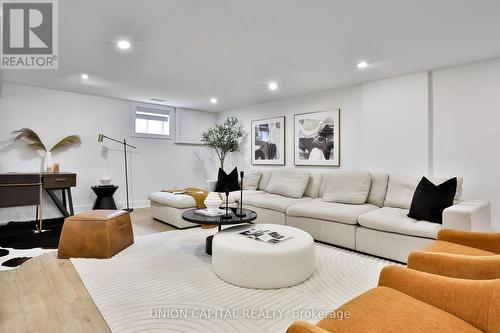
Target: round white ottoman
[{"x": 254, "y": 264}]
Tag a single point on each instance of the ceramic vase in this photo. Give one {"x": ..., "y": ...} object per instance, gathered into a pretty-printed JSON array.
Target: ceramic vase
[
  {"x": 105, "y": 180},
  {"x": 213, "y": 202},
  {"x": 47, "y": 162}
]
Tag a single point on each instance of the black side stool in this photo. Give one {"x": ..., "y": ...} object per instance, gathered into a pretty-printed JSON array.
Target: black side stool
[{"x": 104, "y": 198}]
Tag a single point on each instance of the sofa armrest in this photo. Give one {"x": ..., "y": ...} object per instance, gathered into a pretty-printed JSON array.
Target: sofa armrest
[
  {"x": 456, "y": 265},
  {"x": 487, "y": 241},
  {"x": 304, "y": 327},
  {"x": 210, "y": 185},
  {"x": 468, "y": 215},
  {"x": 469, "y": 300}
]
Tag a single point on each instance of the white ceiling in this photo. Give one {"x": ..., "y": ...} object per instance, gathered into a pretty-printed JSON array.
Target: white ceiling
[{"x": 186, "y": 51}]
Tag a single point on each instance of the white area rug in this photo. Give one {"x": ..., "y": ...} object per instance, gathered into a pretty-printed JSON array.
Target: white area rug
[{"x": 165, "y": 282}]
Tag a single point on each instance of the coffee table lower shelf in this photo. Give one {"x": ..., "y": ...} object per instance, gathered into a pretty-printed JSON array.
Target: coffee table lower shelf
[{"x": 236, "y": 217}]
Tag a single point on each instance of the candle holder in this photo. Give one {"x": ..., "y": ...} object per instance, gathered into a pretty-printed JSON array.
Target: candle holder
[
  {"x": 227, "y": 216},
  {"x": 239, "y": 211}
]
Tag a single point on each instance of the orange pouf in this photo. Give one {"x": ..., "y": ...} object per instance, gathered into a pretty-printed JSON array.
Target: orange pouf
[{"x": 96, "y": 234}]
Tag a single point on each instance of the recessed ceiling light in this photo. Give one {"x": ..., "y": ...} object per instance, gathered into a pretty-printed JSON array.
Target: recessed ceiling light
[
  {"x": 273, "y": 86},
  {"x": 85, "y": 76},
  {"x": 124, "y": 44},
  {"x": 213, "y": 100},
  {"x": 362, "y": 64}
]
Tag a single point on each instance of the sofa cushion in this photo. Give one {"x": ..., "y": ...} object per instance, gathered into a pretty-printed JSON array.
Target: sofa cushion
[
  {"x": 235, "y": 195},
  {"x": 329, "y": 211},
  {"x": 395, "y": 220},
  {"x": 378, "y": 189},
  {"x": 349, "y": 187},
  {"x": 173, "y": 200},
  {"x": 273, "y": 201},
  {"x": 312, "y": 189},
  {"x": 182, "y": 201},
  {"x": 251, "y": 180},
  {"x": 264, "y": 178},
  {"x": 400, "y": 190},
  {"x": 289, "y": 183}
]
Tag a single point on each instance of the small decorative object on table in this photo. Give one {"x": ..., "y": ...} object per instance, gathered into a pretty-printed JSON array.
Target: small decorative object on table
[
  {"x": 227, "y": 215},
  {"x": 213, "y": 202},
  {"x": 240, "y": 212},
  {"x": 265, "y": 235},
  {"x": 105, "y": 180}
]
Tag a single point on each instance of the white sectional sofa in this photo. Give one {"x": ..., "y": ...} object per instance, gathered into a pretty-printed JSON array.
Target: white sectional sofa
[{"x": 374, "y": 220}]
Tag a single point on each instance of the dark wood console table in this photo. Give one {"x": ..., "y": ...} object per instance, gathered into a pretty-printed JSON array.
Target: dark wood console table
[
  {"x": 22, "y": 189},
  {"x": 62, "y": 181}
]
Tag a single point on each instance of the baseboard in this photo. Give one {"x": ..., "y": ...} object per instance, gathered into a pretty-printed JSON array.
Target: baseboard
[{"x": 50, "y": 211}]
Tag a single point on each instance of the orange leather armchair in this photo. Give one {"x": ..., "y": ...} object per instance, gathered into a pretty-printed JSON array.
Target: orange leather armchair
[
  {"x": 411, "y": 301},
  {"x": 460, "y": 254}
]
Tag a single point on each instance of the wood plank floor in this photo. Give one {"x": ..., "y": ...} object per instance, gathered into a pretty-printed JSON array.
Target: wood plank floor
[{"x": 46, "y": 294}]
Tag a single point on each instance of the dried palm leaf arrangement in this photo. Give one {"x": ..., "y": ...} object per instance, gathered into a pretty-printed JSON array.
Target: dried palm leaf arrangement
[{"x": 35, "y": 143}]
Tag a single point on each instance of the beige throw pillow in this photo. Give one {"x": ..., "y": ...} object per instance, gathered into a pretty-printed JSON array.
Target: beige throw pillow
[
  {"x": 349, "y": 187},
  {"x": 289, "y": 183},
  {"x": 251, "y": 180}
]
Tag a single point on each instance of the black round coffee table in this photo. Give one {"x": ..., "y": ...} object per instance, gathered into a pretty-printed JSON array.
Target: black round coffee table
[{"x": 191, "y": 216}]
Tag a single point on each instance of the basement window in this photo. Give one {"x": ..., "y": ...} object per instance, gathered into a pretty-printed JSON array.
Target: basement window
[{"x": 153, "y": 121}]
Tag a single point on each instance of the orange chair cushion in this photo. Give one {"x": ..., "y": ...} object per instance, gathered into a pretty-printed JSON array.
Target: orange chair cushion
[
  {"x": 386, "y": 310},
  {"x": 452, "y": 248}
]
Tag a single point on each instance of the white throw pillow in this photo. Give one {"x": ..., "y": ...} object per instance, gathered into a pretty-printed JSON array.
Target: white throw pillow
[
  {"x": 349, "y": 187},
  {"x": 400, "y": 190},
  {"x": 289, "y": 183},
  {"x": 378, "y": 189},
  {"x": 251, "y": 180}
]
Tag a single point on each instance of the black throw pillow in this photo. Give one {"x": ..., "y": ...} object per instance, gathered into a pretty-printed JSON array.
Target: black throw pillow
[
  {"x": 430, "y": 200},
  {"x": 227, "y": 181}
]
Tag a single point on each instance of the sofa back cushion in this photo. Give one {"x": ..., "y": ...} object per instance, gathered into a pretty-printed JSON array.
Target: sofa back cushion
[
  {"x": 288, "y": 182},
  {"x": 349, "y": 187},
  {"x": 251, "y": 180},
  {"x": 378, "y": 189},
  {"x": 400, "y": 190},
  {"x": 312, "y": 189},
  {"x": 264, "y": 179}
]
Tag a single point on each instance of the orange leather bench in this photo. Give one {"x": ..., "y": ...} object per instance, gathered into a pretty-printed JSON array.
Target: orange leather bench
[{"x": 96, "y": 234}]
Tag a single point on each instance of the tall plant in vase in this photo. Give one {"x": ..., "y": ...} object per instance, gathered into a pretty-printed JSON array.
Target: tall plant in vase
[
  {"x": 35, "y": 143},
  {"x": 224, "y": 138}
]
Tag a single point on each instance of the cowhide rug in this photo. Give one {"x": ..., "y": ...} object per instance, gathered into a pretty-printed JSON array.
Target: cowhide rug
[{"x": 18, "y": 243}]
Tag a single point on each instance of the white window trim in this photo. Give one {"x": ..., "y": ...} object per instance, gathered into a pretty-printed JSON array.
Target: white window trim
[{"x": 171, "y": 121}]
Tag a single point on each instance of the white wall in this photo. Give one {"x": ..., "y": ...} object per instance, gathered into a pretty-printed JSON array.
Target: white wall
[
  {"x": 393, "y": 128},
  {"x": 467, "y": 129},
  {"x": 443, "y": 123},
  {"x": 155, "y": 164},
  {"x": 347, "y": 99}
]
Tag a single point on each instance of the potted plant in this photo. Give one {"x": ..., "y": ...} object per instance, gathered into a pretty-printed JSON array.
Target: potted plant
[
  {"x": 35, "y": 143},
  {"x": 224, "y": 138}
]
